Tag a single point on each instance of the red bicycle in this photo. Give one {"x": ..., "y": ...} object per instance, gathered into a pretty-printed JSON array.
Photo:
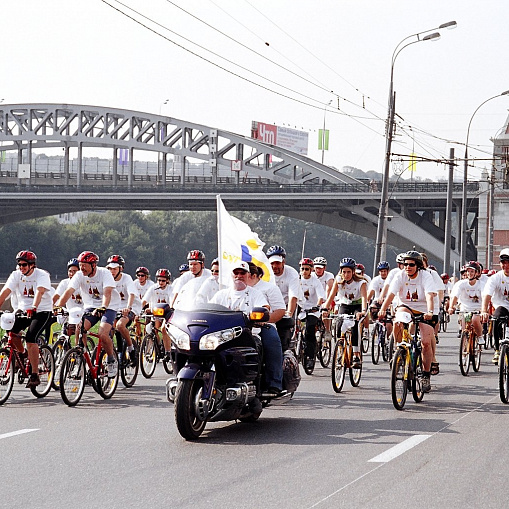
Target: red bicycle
[
  {"x": 13, "y": 363},
  {"x": 80, "y": 367}
]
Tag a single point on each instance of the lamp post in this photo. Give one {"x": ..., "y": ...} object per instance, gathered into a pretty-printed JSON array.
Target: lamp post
[
  {"x": 464, "y": 208},
  {"x": 381, "y": 232}
]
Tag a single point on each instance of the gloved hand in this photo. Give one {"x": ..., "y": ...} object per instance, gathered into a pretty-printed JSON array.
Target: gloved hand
[
  {"x": 99, "y": 311},
  {"x": 31, "y": 312}
]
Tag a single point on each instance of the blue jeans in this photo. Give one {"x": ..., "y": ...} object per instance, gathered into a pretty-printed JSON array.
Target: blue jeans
[{"x": 273, "y": 355}]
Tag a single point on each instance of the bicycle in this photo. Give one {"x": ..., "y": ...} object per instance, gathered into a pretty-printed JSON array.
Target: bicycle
[
  {"x": 443, "y": 317},
  {"x": 470, "y": 349},
  {"x": 323, "y": 343},
  {"x": 79, "y": 368},
  {"x": 128, "y": 367},
  {"x": 379, "y": 340},
  {"x": 503, "y": 362},
  {"x": 343, "y": 352},
  {"x": 406, "y": 370},
  {"x": 152, "y": 350},
  {"x": 14, "y": 363},
  {"x": 300, "y": 340}
]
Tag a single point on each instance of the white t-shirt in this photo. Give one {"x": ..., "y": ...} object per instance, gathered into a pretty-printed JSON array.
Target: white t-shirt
[
  {"x": 469, "y": 296},
  {"x": 141, "y": 290},
  {"x": 312, "y": 291},
  {"x": 498, "y": 287},
  {"x": 349, "y": 293},
  {"x": 376, "y": 284},
  {"x": 186, "y": 277},
  {"x": 186, "y": 297},
  {"x": 244, "y": 300},
  {"x": 289, "y": 284},
  {"x": 92, "y": 288},
  {"x": 24, "y": 288},
  {"x": 325, "y": 278},
  {"x": 126, "y": 287},
  {"x": 156, "y": 295},
  {"x": 207, "y": 290},
  {"x": 412, "y": 292},
  {"x": 75, "y": 300}
]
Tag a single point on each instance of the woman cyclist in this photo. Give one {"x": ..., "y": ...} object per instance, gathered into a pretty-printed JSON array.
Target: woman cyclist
[{"x": 349, "y": 291}]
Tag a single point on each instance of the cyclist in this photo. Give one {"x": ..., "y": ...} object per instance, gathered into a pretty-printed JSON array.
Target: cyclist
[
  {"x": 361, "y": 271},
  {"x": 325, "y": 277},
  {"x": 468, "y": 293},
  {"x": 184, "y": 267},
  {"x": 375, "y": 289},
  {"x": 130, "y": 303},
  {"x": 211, "y": 284},
  {"x": 270, "y": 338},
  {"x": 101, "y": 301},
  {"x": 196, "y": 262},
  {"x": 142, "y": 282},
  {"x": 392, "y": 274},
  {"x": 160, "y": 293},
  {"x": 350, "y": 294},
  {"x": 496, "y": 291},
  {"x": 287, "y": 280},
  {"x": 31, "y": 288},
  {"x": 416, "y": 290},
  {"x": 313, "y": 296}
]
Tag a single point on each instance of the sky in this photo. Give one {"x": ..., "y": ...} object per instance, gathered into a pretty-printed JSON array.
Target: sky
[{"x": 294, "y": 63}]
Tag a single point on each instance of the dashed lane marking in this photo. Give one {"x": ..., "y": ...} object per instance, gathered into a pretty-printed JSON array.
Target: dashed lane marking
[{"x": 18, "y": 432}]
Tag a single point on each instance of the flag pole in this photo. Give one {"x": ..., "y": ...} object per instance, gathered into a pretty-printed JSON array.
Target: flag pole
[
  {"x": 219, "y": 243},
  {"x": 304, "y": 242}
]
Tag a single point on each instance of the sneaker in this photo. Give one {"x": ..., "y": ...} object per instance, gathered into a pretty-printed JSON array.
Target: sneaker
[
  {"x": 310, "y": 364},
  {"x": 425, "y": 384},
  {"x": 167, "y": 357},
  {"x": 33, "y": 380},
  {"x": 496, "y": 357},
  {"x": 273, "y": 392},
  {"x": 481, "y": 341},
  {"x": 356, "y": 362},
  {"x": 436, "y": 339},
  {"x": 459, "y": 333},
  {"x": 112, "y": 369}
]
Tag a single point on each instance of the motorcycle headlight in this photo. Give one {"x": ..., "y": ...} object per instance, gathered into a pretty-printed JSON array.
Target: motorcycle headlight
[
  {"x": 179, "y": 338},
  {"x": 214, "y": 339}
]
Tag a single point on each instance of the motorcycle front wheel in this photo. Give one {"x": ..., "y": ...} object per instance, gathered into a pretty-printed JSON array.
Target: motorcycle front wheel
[{"x": 190, "y": 423}]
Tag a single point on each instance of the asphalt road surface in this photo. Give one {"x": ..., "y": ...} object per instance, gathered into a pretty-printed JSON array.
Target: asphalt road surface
[{"x": 322, "y": 449}]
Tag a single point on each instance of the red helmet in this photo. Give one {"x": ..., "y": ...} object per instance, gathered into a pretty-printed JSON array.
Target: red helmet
[
  {"x": 143, "y": 270},
  {"x": 26, "y": 256},
  {"x": 196, "y": 255},
  {"x": 88, "y": 257},
  {"x": 306, "y": 261},
  {"x": 116, "y": 259},
  {"x": 445, "y": 276},
  {"x": 163, "y": 273},
  {"x": 361, "y": 267}
]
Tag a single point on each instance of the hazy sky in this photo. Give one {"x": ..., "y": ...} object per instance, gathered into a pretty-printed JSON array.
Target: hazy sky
[{"x": 85, "y": 52}]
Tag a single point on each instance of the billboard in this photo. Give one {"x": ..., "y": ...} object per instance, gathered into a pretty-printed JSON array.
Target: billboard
[{"x": 284, "y": 137}]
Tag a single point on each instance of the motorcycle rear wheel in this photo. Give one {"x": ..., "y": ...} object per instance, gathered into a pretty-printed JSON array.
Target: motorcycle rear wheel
[{"x": 187, "y": 397}]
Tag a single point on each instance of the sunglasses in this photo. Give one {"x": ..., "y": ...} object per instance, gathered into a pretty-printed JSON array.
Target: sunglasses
[
  {"x": 409, "y": 264},
  {"x": 215, "y": 271},
  {"x": 162, "y": 280},
  {"x": 306, "y": 269},
  {"x": 22, "y": 264}
]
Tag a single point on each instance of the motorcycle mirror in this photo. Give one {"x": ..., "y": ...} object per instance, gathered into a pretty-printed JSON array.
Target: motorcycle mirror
[{"x": 259, "y": 315}]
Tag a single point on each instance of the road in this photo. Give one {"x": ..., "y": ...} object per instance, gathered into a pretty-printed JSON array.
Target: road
[{"x": 320, "y": 450}]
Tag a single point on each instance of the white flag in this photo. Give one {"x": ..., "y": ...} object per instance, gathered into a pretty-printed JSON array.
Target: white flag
[{"x": 236, "y": 243}]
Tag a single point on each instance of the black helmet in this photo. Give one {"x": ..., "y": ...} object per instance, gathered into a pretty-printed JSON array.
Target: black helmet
[
  {"x": 116, "y": 259},
  {"x": 416, "y": 256},
  {"x": 196, "y": 255}
]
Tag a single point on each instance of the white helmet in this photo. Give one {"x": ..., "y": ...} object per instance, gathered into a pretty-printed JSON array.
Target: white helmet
[
  {"x": 7, "y": 321},
  {"x": 504, "y": 254}
]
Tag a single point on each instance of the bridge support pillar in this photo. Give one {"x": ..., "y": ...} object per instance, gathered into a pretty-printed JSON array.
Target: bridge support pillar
[
  {"x": 79, "y": 173},
  {"x": 131, "y": 170},
  {"x": 115, "y": 168},
  {"x": 66, "y": 165}
]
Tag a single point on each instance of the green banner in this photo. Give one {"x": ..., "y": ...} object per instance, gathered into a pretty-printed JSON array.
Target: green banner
[{"x": 323, "y": 139}]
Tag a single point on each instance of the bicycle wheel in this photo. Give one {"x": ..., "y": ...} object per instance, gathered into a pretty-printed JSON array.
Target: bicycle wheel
[
  {"x": 148, "y": 356},
  {"x": 338, "y": 368},
  {"x": 59, "y": 350},
  {"x": 417, "y": 391},
  {"x": 168, "y": 366},
  {"x": 390, "y": 347},
  {"x": 399, "y": 383},
  {"x": 128, "y": 368},
  {"x": 355, "y": 375},
  {"x": 375, "y": 345},
  {"x": 105, "y": 385},
  {"x": 384, "y": 343},
  {"x": 324, "y": 351},
  {"x": 72, "y": 376},
  {"x": 503, "y": 374},
  {"x": 464, "y": 353},
  {"x": 6, "y": 374},
  {"x": 365, "y": 340},
  {"x": 475, "y": 356},
  {"x": 46, "y": 370}
]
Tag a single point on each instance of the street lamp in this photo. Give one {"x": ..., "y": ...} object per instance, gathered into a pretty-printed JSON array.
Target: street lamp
[
  {"x": 381, "y": 232},
  {"x": 464, "y": 208}
]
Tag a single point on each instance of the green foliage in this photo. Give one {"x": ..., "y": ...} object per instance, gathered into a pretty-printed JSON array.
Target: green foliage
[{"x": 163, "y": 239}]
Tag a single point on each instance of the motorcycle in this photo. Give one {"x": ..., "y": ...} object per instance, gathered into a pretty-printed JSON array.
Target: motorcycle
[{"x": 219, "y": 361}]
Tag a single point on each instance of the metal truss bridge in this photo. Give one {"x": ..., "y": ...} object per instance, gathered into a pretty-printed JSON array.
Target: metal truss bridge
[{"x": 195, "y": 163}]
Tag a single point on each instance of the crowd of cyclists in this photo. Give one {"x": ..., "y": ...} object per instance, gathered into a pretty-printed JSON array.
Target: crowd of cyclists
[{"x": 114, "y": 300}]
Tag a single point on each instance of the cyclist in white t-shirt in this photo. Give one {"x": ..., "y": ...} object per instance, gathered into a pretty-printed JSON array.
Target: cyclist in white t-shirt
[{"x": 101, "y": 301}]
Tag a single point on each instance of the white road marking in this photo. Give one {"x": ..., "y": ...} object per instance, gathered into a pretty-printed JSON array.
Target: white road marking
[
  {"x": 19, "y": 432},
  {"x": 399, "y": 449}
]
